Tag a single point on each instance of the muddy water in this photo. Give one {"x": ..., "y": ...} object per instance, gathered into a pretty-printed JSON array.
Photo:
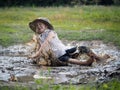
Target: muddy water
[{"x": 14, "y": 62}]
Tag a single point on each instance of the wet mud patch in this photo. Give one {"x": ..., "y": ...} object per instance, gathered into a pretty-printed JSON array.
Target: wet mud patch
[{"x": 14, "y": 63}]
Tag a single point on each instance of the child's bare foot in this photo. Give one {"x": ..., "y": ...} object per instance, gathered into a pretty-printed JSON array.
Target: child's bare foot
[
  {"x": 98, "y": 58},
  {"x": 102, "y": 58},
  {"x": 106, "y": 56}
]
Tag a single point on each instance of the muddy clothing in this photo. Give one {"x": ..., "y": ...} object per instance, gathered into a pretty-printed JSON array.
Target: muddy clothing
[
  {"x": 57, "y": 46},
  {"x": 68, "y": 54},
  {"x": 60, "y": 51},
  {"x": 74, "y": 53}
]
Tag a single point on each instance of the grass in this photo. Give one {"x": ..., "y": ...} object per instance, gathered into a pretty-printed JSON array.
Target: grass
[
  {"x": 111, "y": 85},
  {"x": 72, "y": 23}
]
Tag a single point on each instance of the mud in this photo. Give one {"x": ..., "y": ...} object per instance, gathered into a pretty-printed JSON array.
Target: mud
[{"x": 14, "y": 62}]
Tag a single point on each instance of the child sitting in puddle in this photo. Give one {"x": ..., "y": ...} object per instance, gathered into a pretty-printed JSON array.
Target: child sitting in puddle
[{"x": 48, "y": 37}]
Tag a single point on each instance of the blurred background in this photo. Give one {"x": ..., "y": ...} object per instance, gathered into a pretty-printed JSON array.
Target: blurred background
[{"x": 4, "y": 3}]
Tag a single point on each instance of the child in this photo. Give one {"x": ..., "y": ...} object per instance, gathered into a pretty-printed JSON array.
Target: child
[{"x": 47, "y": 36}]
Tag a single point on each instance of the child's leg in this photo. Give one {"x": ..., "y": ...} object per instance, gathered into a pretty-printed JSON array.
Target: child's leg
[
  {"x": 66, "y": 58},
  {"x": 96, "y": 57},
  {"x": 78, "y": 62},
  {"x": 90, "y": 53}
]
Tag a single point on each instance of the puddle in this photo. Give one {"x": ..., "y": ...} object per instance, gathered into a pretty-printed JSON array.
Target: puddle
[{"x": 13, "y": 61}]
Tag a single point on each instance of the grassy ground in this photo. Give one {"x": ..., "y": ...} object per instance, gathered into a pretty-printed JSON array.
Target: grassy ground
[
  {"x": 72, "y": 23},
  {"x": 111, "y": 85}
]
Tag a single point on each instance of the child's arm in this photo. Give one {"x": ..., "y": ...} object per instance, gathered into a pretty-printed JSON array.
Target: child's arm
[
  {"x": 38, "y": 45},
  {"x": 45, "y": 43}
]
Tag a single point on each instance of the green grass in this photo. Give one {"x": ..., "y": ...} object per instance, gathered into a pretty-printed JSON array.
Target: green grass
[
  {"x": 111, "y": 85},
  {"x": 72, "y": 23}
]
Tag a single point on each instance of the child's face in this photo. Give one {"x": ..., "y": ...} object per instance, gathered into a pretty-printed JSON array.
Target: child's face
[{"x": 40, "y": 28}]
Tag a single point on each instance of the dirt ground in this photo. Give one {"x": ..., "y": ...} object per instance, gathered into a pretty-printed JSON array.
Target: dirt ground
[{"x": 14, "y": 62}]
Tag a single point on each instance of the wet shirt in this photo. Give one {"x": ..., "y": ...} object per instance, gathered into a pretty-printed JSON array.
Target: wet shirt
[{"x": 57, "y": 46}]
